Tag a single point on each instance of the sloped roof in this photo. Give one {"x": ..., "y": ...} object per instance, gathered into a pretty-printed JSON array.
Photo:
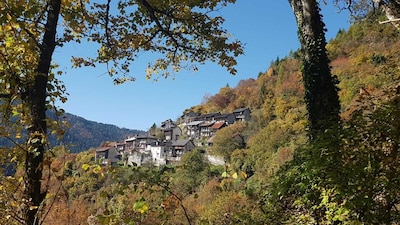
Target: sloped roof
[
  {"x": 180, "y": 142},
  {"x": 218, "y": 125},
  {"x": 240, "y": 110},
  {"x": 210, "y": 114},
  {"x": 168, "y": 124},
  {"x": 207, "y": 124},
  {"x": 190, "y": 114},
  {"x": 120, "y": 144},
  {"x": 160, "y": 143},
  {"x": 223, "y": 116},
  {"x": 103, "y": 149},
  {"x": 194, "y": 123},
  {"x": 146, "y": 136},
  {"x": 130, "y": 139}
]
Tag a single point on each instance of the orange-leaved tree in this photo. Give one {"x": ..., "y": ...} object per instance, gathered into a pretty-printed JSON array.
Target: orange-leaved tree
[{"x": 183, "y": 32}]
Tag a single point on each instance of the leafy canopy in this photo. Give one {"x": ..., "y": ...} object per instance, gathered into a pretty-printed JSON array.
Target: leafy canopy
[{"x": 182, "y": 32}]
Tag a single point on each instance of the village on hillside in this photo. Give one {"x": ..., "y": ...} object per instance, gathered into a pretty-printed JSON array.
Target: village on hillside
[{"x": 178, "y": 137}]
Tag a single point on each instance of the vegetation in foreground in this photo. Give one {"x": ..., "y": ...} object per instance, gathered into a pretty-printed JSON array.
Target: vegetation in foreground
[{"x": 277, "y": 178}]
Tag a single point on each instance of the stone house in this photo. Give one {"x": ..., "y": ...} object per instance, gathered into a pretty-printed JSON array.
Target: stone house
[
  {"x": 187, "y": 117},
  {"x": 210, "y": 117},
  {"x": 205, "y": 129},
  {"x": 159, "y": 151},
  {"x": 217, "y": 126},
  {"x": 138, "y": 142},
  {"x": 193, "y": 129},
  {"x": 179, "y": 147},
  {"x": 107, "y": 155},
  {"x": 228, "y": 118},
  {"x": 138, "y": 158},
  {"x": 171, "y": 131},
  {"x": 242, "y": 114}
]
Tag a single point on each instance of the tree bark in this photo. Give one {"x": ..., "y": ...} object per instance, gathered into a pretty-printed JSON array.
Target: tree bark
[
  {"x": 321, "y": 93},
  {"x": 391, "y": 9},
  {"x": 36, "y": 100}
]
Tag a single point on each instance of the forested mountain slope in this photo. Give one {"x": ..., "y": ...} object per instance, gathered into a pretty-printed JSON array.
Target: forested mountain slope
[
  {"x": 83, "y": 134},
  {"x": 274, "y": 178},
  {"x": 364, "y": 57}
]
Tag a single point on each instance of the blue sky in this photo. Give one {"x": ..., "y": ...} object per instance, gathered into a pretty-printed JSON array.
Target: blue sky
[{"x": 267, "y": 28}]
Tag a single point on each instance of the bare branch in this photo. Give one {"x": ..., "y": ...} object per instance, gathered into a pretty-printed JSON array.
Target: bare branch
[{"x": 389, "y": 21}]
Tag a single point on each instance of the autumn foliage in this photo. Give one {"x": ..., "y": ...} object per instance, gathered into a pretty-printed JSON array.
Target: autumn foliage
[{"x": 274, "y": 175}]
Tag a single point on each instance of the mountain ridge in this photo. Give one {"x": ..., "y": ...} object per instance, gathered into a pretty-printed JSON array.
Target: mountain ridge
[
  {"x": 84, "y": 134},
  {"x": 77, "y": 134}
]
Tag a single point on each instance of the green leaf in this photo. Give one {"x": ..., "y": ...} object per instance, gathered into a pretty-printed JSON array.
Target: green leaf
[
  {"x": 141, "y": 206},
  {"x": 225, "y": 174}
]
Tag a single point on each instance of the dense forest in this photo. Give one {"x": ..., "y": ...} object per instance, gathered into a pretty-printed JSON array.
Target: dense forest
[
  {"x": 276, "y": 178},
  {"x": 81, "y": 134}
]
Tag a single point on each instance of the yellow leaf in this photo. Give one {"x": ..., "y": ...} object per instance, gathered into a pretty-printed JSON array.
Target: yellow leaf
[
  {"x": 97, "y": 169},
  {"x": 141, "y": 206},
  {"x": 144, "y": 208},
  {"x": 32, "y": 207},
  {"x": 48, "y": 195},
  {"x": 235, "y": 176},
  {"x": 85, "y": 166}
]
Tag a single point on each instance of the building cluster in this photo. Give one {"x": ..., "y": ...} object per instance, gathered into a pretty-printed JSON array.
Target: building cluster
[{"x": 178, "y": 138}]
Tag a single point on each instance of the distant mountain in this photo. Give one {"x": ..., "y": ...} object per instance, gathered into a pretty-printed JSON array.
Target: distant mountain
[{"x": 84, "y": 134}]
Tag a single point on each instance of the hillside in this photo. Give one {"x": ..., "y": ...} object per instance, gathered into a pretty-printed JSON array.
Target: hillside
[
  {"x": 277, "y": 177},
  {"x": 83, "y": 134},
  {"x": 365, "y": 59}
]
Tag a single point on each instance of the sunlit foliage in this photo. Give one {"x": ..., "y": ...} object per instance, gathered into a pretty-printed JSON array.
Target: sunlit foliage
[{"x": 180, "y": 34}]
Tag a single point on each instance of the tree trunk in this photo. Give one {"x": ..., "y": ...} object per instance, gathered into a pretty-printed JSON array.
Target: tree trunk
[
  {"x": 391, "y": 9},
  {"x": 36, "y": 100},
  {"x": 321, "y": 93}
]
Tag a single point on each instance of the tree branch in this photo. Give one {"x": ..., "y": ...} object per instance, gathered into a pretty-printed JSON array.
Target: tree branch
[
  {"x": 106, "y": 23},
  {"x": 170, "y": 34},
  {"x": 389, "y": 21},
  {"x": 180, "y": 202}
]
